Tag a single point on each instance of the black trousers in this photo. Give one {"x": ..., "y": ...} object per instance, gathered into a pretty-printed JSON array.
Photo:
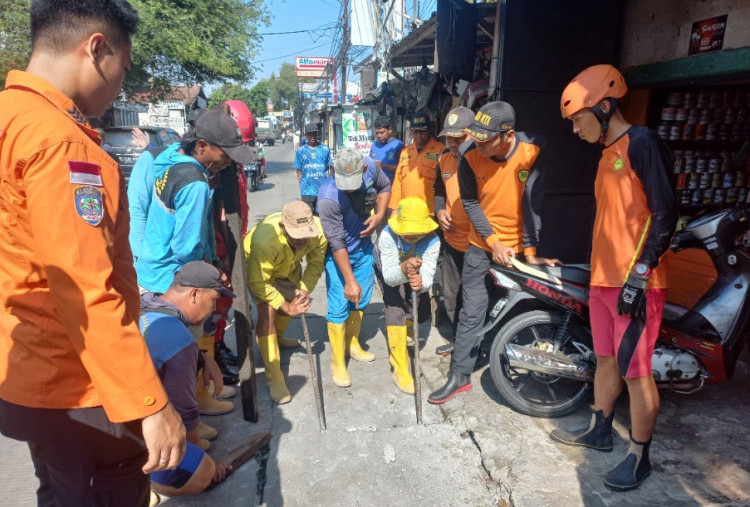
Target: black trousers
[
  {"x": 398, "y": 307},
  {"x": 475, "y": 298},
  {"x": 79, "y": 456},
  {"x": 453, "y": 265}
]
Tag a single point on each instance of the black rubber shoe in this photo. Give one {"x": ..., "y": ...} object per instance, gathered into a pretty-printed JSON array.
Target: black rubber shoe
[
  {"x": 444, "y": 350},
  {"x": 457, "y": 383},
  {"x": 633, "y": 470},
  {"x": 597, "y": 436},
  {"x": 225, "y": 353}
]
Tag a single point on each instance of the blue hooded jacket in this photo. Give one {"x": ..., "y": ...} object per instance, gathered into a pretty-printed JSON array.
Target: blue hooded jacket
[{"x": 179, "y": 226}]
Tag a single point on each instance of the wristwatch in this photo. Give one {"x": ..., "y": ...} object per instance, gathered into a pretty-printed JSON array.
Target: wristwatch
[{"x": 642, "y": 270}]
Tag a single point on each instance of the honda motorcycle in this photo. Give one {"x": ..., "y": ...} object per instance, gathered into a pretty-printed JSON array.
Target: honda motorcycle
[
  {"x": 256, "y": 172},
  {"x": 542, "y": 359}
]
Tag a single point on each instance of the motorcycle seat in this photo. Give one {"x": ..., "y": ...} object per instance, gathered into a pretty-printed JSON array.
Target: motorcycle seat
[{"x": 574, "y": 273}]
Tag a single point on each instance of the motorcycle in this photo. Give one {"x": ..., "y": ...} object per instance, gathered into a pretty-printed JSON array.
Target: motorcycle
[
  {"x": 256, "y": 172},
  {"x": 542, "y": 359}
]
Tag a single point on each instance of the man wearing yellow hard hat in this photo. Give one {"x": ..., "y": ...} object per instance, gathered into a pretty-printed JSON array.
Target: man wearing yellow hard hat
[{"x": 408, "y": 252}]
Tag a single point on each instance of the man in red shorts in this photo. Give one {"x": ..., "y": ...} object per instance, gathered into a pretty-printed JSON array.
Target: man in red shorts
[{"x": 636, "y": 216}]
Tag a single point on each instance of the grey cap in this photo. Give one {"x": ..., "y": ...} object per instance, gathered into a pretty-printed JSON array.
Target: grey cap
[
  {"x": 221, "y": 130},
  {"x": 456, "y": 121},
  {"x": 349, "y": 166},
  {"x": 201, "y": 275},
  {"x": 311, "y": 127},
  {"x": 492, "y": 119}
]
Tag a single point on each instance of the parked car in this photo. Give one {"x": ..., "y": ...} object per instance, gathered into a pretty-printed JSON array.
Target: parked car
[{"x": 118, "y": 142}]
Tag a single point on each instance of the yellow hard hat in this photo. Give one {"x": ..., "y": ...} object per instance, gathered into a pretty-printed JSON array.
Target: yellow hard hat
[{"x": 412, "y": 218}]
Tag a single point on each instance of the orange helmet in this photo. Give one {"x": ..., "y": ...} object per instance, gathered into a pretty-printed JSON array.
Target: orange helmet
[{"x": 590, "y": 87}]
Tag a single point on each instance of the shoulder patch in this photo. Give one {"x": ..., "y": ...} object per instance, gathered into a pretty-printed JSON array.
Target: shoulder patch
[
  {"x": 618, "y": 164},
  {"x": 89, "y": 204},
  {"x": 523, "y": 175}
]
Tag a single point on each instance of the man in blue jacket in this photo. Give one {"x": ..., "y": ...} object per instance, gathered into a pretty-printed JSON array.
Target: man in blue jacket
[{"x": 179, "y": 223}]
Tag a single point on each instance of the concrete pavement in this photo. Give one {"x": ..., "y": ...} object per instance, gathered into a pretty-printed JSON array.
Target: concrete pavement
[{"x": 472, "y": 451}]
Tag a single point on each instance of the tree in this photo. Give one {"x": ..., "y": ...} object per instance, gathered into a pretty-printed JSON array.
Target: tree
[
  {"x": 285, "y": 88},
  {"x": 178, "y": 41},
  {"x": 14, "y": 36},
  {"x": 254, "y": 98}
]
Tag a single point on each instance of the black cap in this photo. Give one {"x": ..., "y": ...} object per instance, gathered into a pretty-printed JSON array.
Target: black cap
[
  {"x": 456, "y": 121},
  {"x": 201, "y": 275},
  {"x": 492, "y": 119},
  {"x": 311, "y": 127},
  {"x": 419, "y": 121},
  {"x": 221, "y": 130}
]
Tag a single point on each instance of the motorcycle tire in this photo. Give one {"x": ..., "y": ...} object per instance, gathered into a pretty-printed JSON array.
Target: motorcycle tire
[
  {"x": 252, "y": 182},
  {"x": 530, "y": 392}
]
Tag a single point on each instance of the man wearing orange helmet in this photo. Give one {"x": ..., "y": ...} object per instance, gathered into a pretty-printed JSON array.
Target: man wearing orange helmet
[{"x": 635, "y": 218}]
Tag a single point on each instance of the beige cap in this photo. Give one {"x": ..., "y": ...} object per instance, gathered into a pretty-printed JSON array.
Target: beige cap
[{"x": 298, "y": 220}]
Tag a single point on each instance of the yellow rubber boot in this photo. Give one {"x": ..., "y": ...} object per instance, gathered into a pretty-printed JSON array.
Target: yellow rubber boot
[
  {"x": 399, "y": 358},
  {"x": 281, "y": 322},
  {"x": 409, "y": 332},
  {"x": 353, "y": 349},
  {"x": 336, "y": 336},
  {"x": 207, "y": 404},
  {"x": 269, "y": 350},
  {"x": 207, "y": 345},
  {"x": 206, "y": 432}
]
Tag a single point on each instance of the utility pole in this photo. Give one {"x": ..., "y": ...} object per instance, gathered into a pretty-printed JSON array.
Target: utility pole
[{"x": 344, "y": 50}]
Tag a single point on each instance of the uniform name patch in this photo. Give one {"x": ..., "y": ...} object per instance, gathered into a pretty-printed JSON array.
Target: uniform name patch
[
  {"x": 89, "y": 204},
  {"x": 85, "y": 173},
  {"x": 432, "y": 156}
]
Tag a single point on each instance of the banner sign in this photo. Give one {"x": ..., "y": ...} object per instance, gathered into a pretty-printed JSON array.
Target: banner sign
[
  {"x": 707, "y": 35},
  {"x": 312, "y": 66},
  {"x": 357, "y": 128}
]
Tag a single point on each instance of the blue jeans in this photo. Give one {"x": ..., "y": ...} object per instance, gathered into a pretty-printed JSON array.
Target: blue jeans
[{"x": 338, "y": 306}]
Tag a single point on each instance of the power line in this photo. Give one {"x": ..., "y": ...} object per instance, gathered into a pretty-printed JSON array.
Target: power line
[
  {"x": 312, "y": 30},
  {"x": 290, "y": 54}
]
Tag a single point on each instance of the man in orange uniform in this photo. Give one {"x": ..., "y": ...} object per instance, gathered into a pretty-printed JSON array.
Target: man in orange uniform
[
  {"x": 451, "y": 215},
  {"x": 76, "y": 378},
  {"x": 415, "y": 173},
  {"x": 636, "y": 215},
  {"x": 494, "y": 178}
]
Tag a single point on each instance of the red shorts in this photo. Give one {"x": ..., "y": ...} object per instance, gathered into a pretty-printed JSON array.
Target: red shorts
[{"x": 630, "y": 341}]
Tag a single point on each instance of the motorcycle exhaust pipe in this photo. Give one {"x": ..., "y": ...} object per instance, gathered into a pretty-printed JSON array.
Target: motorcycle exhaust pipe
[{"x": 551, "y": 364}]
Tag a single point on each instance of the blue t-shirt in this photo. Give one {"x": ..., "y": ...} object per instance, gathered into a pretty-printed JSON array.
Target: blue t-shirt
[
  {"x": 387, "y": 153},
  {"x": 313, "y": 162}
]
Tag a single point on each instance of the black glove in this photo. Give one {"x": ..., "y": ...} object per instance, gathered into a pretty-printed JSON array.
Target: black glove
[{"x": 632, "y": 299}]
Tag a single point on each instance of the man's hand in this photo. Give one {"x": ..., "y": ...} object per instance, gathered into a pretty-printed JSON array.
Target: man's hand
[
  {"x": 539, "y": 261},
  {"x": 411, "y": 266},
  {"x": 211, "y": 371},
  {"x": 371, "y": 224},
  {"x": 139, "y": 138},
  {"x": 164, "y": 435},
  {"x": 632, "y": 299},
  {"x": 415, "y": 282},
  {"x": 302, "y": 296},
  {"x": 221, "y": 471},
  {"x": 353, "y": 292},
  {"x": 501, "y": 254},
  {"x": 295, "y": 307},
  {"x": 445, "y": 220}
]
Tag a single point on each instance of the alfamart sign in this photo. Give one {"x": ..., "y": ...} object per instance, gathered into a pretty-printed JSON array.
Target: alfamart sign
[{"x": 314, "y": 66}]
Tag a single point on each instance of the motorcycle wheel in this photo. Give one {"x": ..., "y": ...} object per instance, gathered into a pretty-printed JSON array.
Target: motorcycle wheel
[
  {"x": 253, "y": 181},
  {"x": 530, "y": 392}
]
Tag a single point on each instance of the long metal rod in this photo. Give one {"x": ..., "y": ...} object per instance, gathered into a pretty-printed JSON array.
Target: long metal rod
[
  {"x": 313, "y": 374},
  {"x": 417, "y": 382}
]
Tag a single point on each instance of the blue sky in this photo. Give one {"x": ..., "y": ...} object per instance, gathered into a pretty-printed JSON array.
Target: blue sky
[{"x": 318, "y": 16}]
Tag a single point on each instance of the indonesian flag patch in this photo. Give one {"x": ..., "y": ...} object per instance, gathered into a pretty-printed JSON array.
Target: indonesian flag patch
[{"x": 85, "y": 173}]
